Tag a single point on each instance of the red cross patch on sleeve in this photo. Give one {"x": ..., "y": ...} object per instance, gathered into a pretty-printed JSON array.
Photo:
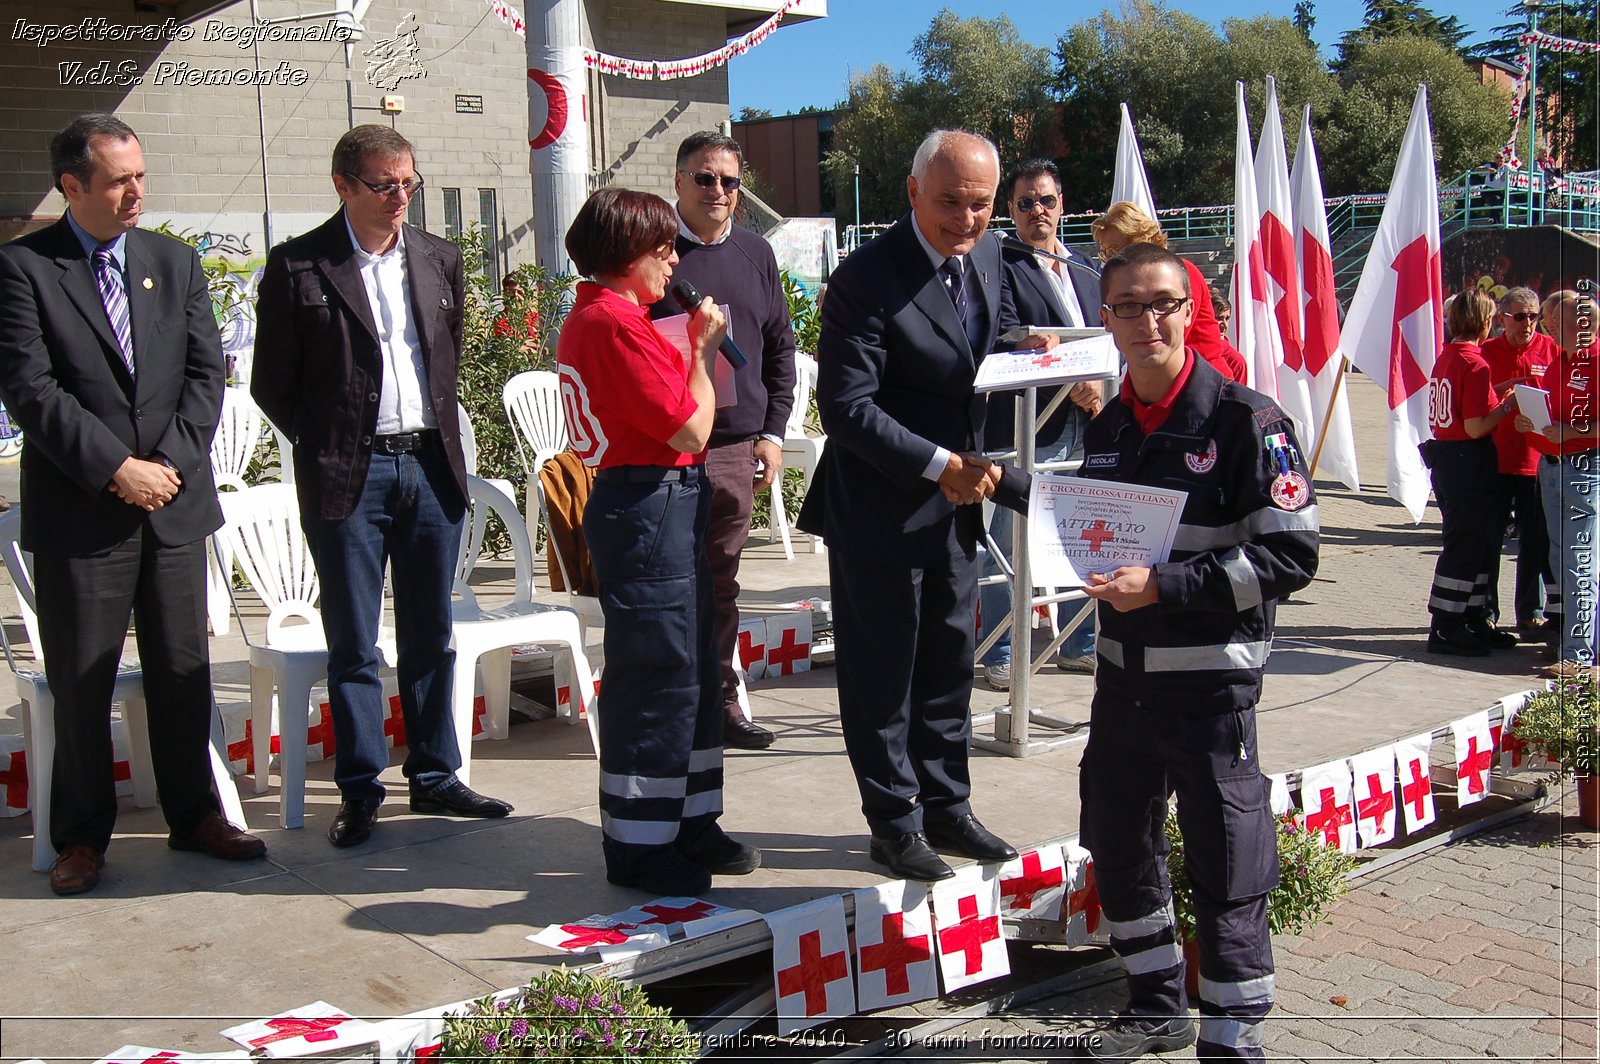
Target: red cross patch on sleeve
[{"x": 1290, "y": 491}]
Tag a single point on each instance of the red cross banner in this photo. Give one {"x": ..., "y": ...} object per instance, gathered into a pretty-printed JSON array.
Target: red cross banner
[
  {"x": 1034, "y": 885},
  {"x": 146, "y": 1055},
  {"x": 1411, "y": 759},
  {"x": 121, "y": 766},
  {"x": 894, "y": 946},
  {"x": 586, "y": 935},
  {"x": 811, "y": 964},
  {"x": 1278, "y": 799},
  {"x": 1376, "y": 798},
  {"x": 1329, "y": 812},
  {"x": 310, "y": 1029},
  {"x": 1515, "y": 756},
  {"x": 753, "y": 648},
  {"x": 1474, "y": 755},
  {"x": 13, "y": 776},
  {"x": 1081, "y": 910},
  {"x": 966, "y": 915},
  {"x": 788, "y": 643}
]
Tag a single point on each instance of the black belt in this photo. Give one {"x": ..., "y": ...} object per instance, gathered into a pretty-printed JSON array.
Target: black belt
[
  {"x": 404, "y": 442},
  {"x": 648, "y": 474}
]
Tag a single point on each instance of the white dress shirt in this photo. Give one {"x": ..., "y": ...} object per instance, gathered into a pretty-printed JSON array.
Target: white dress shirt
[
  {"x": 1057, "y": 272},
  {"x": 403, "y": 403}
]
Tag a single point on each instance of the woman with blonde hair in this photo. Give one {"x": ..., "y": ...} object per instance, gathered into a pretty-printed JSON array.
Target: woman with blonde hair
[{"x": 1126, "y": 224}]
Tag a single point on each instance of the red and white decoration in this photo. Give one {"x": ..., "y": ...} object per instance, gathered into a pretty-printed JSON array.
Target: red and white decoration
[
  {"x": 1474, "y": 755},
  {"x": 1325, "y": 797},
  {"x": 585, "y": 936},
  {"x": 1514, "y": 753},
  {"x": 314, "y": 1028},
  {"x": 1034, "y": 886},
  {"x": 966, "y": 912},
  {"x": 788, "y": 643},
  {"x": 1281, "y": 298},
  {"x": 1278, "y": 799},
  {"x": 752, "y": 648},
  {"x": 1411, "y": 758},
  {"x": 13, "y": 776},
  {"x": 1376, "y": 799},
  {"x": 1083, "y": 897},
  {"x": 1251, "y": 328},
  {"x": 894, "y": 946},
  {"x": 811, "y": 964},
  {"x": 146, "y": 1055}
]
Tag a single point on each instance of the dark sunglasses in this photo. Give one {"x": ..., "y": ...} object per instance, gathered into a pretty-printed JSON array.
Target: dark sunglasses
[
  {"x": 1026, "y": 203},
  {"x": 1525, "y": 315},
  {"x": 705, "y": 179},
  {"x": 389, "y": 188}
]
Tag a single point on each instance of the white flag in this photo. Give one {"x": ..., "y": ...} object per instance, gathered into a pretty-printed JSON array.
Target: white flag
[
  {"x": 1280, "y": 296},
  {"x": 966, "y": 911},
  {"x": 1474, "y": 755},
  {"x": 1128, "y": 181},
  {"x": 1325, "y": 797},
  {"x": 1411, "y": 757},
  {"x": 1323, "y": 354},
  {"x": 1034, "y": 884},
  {"x": 811, "y": 964},
  {"x": 1251, "y": 328},
  {"x": 1395, "y": 327},
  {"x": 1375, "y": 797},
  {"x": 894, "y": 946}
]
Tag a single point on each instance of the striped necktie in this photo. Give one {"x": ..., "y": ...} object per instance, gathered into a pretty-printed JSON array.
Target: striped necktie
[{"x": 115, "y": 298}]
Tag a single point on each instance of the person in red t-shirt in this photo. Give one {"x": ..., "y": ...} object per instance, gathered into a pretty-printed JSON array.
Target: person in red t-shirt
[
  {"x": 1463, "y": 409},
  {"x": 1521, "y": 354},
  {"x": 641, "y": 411}
]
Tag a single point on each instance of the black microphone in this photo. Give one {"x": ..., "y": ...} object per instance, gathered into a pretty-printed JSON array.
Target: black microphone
[
  {"x": 689, "y": 300},
  {"x": 1019, "y": 244}
]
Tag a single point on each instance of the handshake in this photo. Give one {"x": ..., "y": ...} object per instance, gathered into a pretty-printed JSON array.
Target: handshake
[{"x": 968, "y": 478}]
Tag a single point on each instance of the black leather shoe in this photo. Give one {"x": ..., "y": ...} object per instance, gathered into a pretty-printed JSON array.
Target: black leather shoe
[
  {"x": 1492, "y": 637},
  {"x": 964, "y": 835},
  {"x": 1128, "y": 1038},
  {"x": 454, "y": 798},
  {"x": 909, "y": 857},
  {"x": 746, "y": 735},
  {"x": 353, "y": 823},
  {"x": 673, "y": 876},
  {"x": 721, "y": 854},
  {"x": 1456, "y": 639}
]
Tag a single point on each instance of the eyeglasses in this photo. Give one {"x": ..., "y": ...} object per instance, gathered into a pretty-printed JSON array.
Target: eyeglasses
[
  {"x": 1525, "y": 315},
  {"x": 1133, "y": 309},
  {"x": 705, "y": 179},
  {"x": 389, "y": 188},
  {"x": 1026, "y": 203}
]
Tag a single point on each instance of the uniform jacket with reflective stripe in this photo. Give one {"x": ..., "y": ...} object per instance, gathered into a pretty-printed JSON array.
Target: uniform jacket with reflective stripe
[{"x": 1237, "y": 549}]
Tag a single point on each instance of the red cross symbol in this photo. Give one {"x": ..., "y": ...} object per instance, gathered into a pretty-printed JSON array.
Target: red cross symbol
[
  {"x": 1510, "y": 743},
  {"x": 787, "y": 652},
  {"x": 1288, "y": 489},
  {"x": 121, "y": 771},
  {"x": 1277, "y": 246},
  {"x": 1416, "y": 792},
  {"x": 813, "y": 974},
  {"x": 1047, "y": 360},
  {"x": 1474, "y": 767},
  {"x": 1098, "y": 535},
  {"x": 427, "y": 1052},
  {"x": 160, "y": 1058},
  {"x": 1329, "y": 819},
  {"x": 322, "y": 731},
  {"x": 479, "y": 708},
  {"x": 1417, "y": 284},
  {"x": 895, "y": 954},
  {"x": 15, "y": 781},
  {"x": 394, "y": 725},
  {"x": 1379, "y": 803},
  {"x": 1034, "y": 880},
  {"x": 669, "y": 914},
  {"x": 1086, "y": 901},
  {"x": 749, "y": 650},
  {"x": 584, "y": 937},
  {"x": 969, "y": 934},
  {"x": 312, "y": 1029}
]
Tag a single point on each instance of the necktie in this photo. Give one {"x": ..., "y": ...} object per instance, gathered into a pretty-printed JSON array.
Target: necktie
[
  {"x": 115, "y": 299},
  {"x": 953, "y": 278}
]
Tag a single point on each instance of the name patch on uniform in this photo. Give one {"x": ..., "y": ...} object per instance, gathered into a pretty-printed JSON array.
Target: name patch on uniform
[
  {"x": 1290, "y": 491},
  {"x": 1202, "y": 461},
  {"x": 1101, "y": 461}
]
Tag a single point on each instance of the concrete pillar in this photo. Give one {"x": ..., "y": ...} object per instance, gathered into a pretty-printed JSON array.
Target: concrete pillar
[{"x": 558, "y": 124}]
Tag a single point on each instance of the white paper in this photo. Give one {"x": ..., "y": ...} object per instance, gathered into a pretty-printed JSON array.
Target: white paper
[
  {"x": 1094, "y": 358},
  {"x": 1078, "y": 526},
  {"x": 675, "y": 330},
  {"x": 1060, "y": 332},
  {"x": 1534, "y": 404}
]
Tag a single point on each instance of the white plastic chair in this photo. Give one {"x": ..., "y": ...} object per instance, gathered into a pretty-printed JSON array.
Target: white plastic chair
[
  {"x": 240, "y": 431},
  {"x": 539, "y": 425},
  {"x": 262, "y": 531},
  {"x": 38, "y": 719},
  {"x": 469, "y": 449},
  {"x": 800, "y": 451},
  {"x": 484, "y": 637},
  {"x": 587, "y": 607}
]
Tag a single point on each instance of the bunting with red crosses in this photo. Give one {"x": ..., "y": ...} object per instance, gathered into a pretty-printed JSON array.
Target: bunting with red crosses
[
  {"x": 811, "y": 964},
  {"x": 314, "y": 1028},
  {"x": 1412, "y": 767},
  {"x": 1033, "y": 885},
  {"x": 1081, "y": 908},
  {"x": 1474, "y": 755},
  {"x": 894, "y": 946},
  {"x": 146, "y": 1055},
  {"x": 1329, "y": 811},
  {"x": 966, "y": 914},
  {"x": 1375, "y": 797}
]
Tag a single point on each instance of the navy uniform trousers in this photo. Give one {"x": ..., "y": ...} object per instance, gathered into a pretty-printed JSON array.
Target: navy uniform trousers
[
  {"x": 1466, "y": 484},
  {"x": 660, "y": 716}
]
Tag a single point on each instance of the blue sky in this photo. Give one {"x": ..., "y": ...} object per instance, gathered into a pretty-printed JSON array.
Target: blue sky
[{"x": 810, "y": 63}]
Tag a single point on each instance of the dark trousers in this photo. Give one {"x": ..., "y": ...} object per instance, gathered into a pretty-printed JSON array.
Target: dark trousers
[
  {"x": 1467, "y": 487},
  {"x": 660, "y": 714},
  {"x": 1144, "y": 745},
  {"x": 409, "y": 519},
  {"x": 1519, "y": 501},
  {"x": 84, "y": 604},
  {"x": 903, "y": 649},
  {"x": 731, "y": 470}
]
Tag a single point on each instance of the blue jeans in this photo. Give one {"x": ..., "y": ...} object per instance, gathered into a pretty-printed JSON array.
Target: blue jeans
[
  {"x": 1570, "y": 490},
  {"x": 994, "y": 600},
  {"x": 409, "y": 513}
]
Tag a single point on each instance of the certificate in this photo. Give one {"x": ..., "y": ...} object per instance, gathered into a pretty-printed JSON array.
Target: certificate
[
  {"x": 1534, "y": 404},
  {"x": 675, "y": 330},
  {"x": 1093, "y": 358},
  {"x": 1078, "y": 526}
]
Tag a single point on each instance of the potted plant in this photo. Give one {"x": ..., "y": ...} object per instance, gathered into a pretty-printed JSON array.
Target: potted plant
[
  {"x": 567, "y": 1014},
  {"x": 1560, "y": 723}
]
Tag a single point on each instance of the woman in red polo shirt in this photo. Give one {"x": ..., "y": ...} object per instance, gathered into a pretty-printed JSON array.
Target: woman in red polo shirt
[
  {"x": 640, "y": 412},
  {"x": 1463, "y": 409}
]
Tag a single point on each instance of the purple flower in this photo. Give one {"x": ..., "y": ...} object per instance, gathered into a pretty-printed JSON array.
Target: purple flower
[
  {"x": 594, "y": 1001},
  {"x": 617, "y": 1009},
  {"x": 519, "y": 1028},
  {"x": 491, "y": 1042},
  {"x": 501, "y": 1005},
  {"x": 580, "y": 1034},
  {"x": 609, "y": 1040},
  {"x": 566, "y": 1004}
]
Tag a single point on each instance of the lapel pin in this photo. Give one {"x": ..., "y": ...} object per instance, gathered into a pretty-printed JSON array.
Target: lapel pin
[{"x": 149, "y": 284}]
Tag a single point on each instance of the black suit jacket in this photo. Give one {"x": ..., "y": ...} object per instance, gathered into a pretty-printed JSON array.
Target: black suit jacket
[
  {"x": 63, "y": 380},
  {"x": 894, "y": 382},
  {"x": 318, "y": 366}
]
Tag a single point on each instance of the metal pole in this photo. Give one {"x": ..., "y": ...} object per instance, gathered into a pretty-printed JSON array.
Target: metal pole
[
  {"x": 858, "y": 197},
  {"x": 1014, "y": 729},
  {"x": 261, "y": 129},
  {"x": 1533, "y": 101}
]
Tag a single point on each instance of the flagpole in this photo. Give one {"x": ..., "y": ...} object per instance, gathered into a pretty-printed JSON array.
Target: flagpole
[{"x": 1327, "y": 417}]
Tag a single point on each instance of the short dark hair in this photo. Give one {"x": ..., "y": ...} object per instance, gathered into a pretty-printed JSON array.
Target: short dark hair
[
  {"x": 1219, "y": 302},
  {"x": 368, "y": 142},
  {"x": 1031, "y": 170},
  {"x": 1136, "y": 255},
  {"x": 617, "y": 225},
  {"x": 70, "y": 151},
  {"x": 708, "y": 140}
]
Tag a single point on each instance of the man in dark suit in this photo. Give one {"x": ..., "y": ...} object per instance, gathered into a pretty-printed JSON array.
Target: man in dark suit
[
  {"x": 111, "y": 365},
  {"x": 357, "y": 346},
  {"x": 906, "y": 321}
]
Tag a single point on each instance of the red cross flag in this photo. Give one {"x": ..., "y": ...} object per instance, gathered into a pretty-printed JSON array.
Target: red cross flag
[
  {"x": 13, "y": 776},
  {"x": 1474, "y": 755},
  {"x": 1375, "y": 796},
  {"x": 1034, "y": 885},
  {"x": 1278, "y": 799},
  {"x": 1395, "y": 327},
  {"x": 1251, "y": 328},
  {"x": 894, "y": 946},
  {"x": 586, "y": 935},
  {"x": 1082, "y": 908},
  {"x": 788, "y": 643},
  {"x": 145, "y": 1055},
  {"x": 420, "y": 1035},
  {"x": 753, "y": 648},
  {"x": 1325, "y": 797},
  {"x": 966, "y": 911},
  {"x": 1514, "y": 752},
  {"x": 1280, "y": 270},
  {"x": 811, "y": 964},
  {"x": 310, "y": 1029},
  {"x": 1411, "y": 759}
]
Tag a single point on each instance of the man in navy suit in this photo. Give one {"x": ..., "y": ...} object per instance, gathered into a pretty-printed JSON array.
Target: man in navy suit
[{"x": 907, "y": 319}]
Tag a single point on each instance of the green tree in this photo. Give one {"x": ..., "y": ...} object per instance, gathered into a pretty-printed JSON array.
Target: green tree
[
  {"x": 750, "y": 114},
  {"x": 1305, "y": 17},
  {"x": 1388, "y": 19}
]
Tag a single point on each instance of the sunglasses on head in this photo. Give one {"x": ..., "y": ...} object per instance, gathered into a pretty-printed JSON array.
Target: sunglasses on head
[
  {"x": 1525, "y": 315},
  {"x": 705, "y": 179},
  {"x": 1026, "y": 203}
]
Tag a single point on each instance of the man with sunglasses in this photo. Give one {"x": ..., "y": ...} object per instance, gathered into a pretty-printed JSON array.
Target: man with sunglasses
[
  {"x": 734, "y": 266},
  {"x": 1181, "y": 652},
  {"x": 358, "y": 339}
]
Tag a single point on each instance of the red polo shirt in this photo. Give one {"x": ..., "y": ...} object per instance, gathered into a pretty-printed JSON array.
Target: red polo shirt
[
  {"x": 1152, "y": 416},
  {"x": 1571, "y": 382},
  {"x": 1518, "y": 453},
  {"x": 1460, "y": 389}
]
